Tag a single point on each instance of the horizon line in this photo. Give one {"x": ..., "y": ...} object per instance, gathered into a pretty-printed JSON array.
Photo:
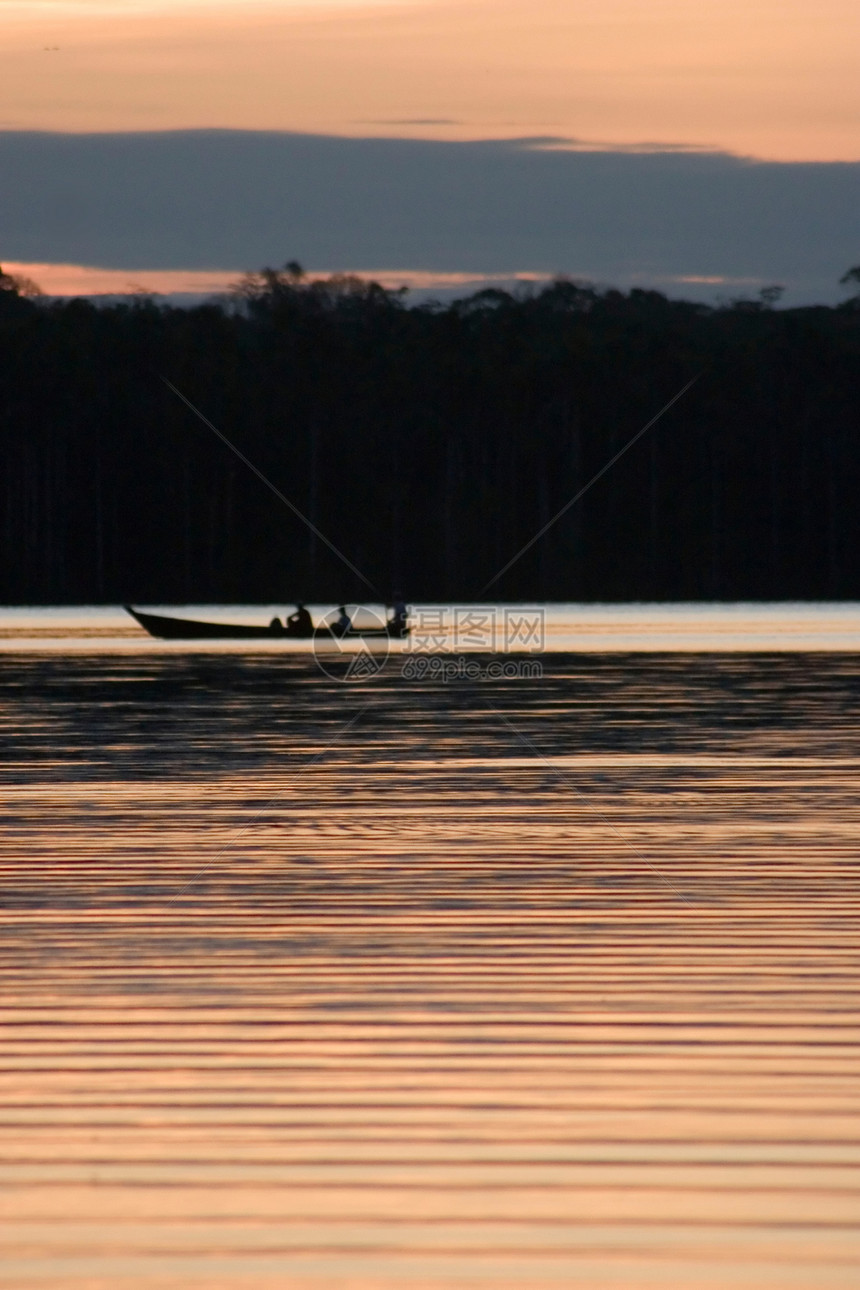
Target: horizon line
[{"x": 67, "y": 280}]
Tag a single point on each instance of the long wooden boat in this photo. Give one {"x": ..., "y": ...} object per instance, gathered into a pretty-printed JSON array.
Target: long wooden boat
[{"x": 189, "y": 629}]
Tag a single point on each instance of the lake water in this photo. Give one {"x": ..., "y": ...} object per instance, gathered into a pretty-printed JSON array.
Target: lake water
[{"x": 432, "y": 982}]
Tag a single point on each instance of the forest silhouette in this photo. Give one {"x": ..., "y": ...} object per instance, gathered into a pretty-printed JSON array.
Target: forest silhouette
[{"x": 429, "y": 443}]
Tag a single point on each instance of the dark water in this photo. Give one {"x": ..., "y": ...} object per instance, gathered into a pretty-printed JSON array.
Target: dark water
[{"x": 515, "y": 984}]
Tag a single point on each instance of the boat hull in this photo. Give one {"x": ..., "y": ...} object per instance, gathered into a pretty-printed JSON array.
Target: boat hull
[{"x": 188, "y": 629}]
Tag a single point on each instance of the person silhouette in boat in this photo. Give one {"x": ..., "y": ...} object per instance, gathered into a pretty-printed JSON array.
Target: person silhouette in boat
[
  {"x": 397, "y": 622},
  {"x": 343, "y": 624},
  {"x": 300, "y": 623}
]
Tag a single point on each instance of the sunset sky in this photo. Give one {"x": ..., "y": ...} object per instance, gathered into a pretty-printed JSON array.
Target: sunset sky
[{"x": 773, "y": 80}]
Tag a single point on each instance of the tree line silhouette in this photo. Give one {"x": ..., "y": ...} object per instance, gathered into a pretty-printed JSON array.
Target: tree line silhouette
[{"x": 429, "y": 443}]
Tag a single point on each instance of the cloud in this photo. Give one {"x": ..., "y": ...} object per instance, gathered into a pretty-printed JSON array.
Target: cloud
[
  {"x": 233, "y": 200},
  {"x": 414, "y": 120}
]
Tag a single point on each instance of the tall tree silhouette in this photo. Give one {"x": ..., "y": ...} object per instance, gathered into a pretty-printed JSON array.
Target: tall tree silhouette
[{"x": 428, "y": 443}]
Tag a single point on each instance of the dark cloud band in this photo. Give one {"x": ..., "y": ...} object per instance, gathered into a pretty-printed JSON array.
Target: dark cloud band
[{"x": 221, "y": 199}]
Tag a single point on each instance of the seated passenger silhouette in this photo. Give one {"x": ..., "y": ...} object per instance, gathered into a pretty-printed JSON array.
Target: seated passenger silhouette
[
  {"x": 399, "y": 616},
  {"x": 300, "y": 623},
  {"x": 343, "y": 624},
  {"x": 276, "y": 625}
]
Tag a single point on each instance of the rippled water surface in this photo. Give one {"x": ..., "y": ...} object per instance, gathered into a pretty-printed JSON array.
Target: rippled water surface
[{"x": 406, "y": 984}]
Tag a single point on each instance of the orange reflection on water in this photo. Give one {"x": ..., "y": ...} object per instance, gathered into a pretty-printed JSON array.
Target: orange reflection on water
[{"x": 429, "y": 1011}]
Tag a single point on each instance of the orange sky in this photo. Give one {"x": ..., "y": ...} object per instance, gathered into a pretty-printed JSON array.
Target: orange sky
[
  {"x": 77, "y": 279},
  {"x": 774, "y": 78}
]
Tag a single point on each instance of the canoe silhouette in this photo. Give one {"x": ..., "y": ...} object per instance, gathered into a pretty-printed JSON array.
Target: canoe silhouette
[{"x": 189, "y": 629}]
